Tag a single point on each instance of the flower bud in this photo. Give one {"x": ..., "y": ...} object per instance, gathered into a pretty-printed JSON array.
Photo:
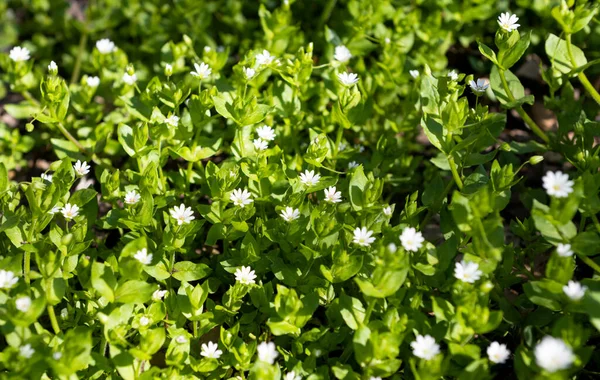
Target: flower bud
[
  {"x": 487, "y": 286},
  {"x": 52, "y": 68},
  {"x": 505, "y": 147},
  {"x": 130, "y": 70},
  {"x": 534, "y": 160},
  {"x": 168, "y": 70}
]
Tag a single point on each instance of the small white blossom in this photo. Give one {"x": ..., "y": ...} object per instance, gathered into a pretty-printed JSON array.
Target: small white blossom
[
  {"x": 480, "y": 86},
  {"x": 64, "y": 313},
  {"x": 7, "y": 279},
  {"x": 57, "y": 355},
  {"x": 267, "y": 352},
  {"x": 387, "y": 211},
  {"x": 129, "y": 79},
  {"x": 19, "y": 54},
  {"x": 245, "y": 275},
  {"x": 467, "y": 271},
  {"x": 411, "y": 239},
  {"x": 144, "y": 321},
  {"x": 202, "y": 70},
  {"x": 564, "y": 250},
  {"x": 168, "y": 70},
  {"x": 342, "y": 54},
  {"x": 70, "y": 211},
  {"x": 392, "y": 247},
  {"x": 260, "y": 144},
  {"x": 172, "y": 121},
  {"x": 352, "y": 164},
  {"x": 574, "y": 290},
  {"x": 292, "y": 376},
  {"x": 264, "y": 58},
  {"x": 453, "y": 75},
  {"x": 53, "y": 67},
  {"x": 81, "y": 168},
  {"x": 290, "y": 214},
  {"x": 132, "y": 197},
  {"x": 310, "y": 178},
  {"x": 23, "y": 304},
  {"x": 342, "y": 147},
  {"x": 508, "y": 22},
  {"x": 92, "y": 81},
  {"x": 46, "y": 177},
  {"x": 241, "y": 197},
  {"x": 159, "y": 294},
  {"x": 181, "y": 339},
  {"x": 54, "y": 210},
  {"x": 182, "y": 214},
  {"x": 105, "y": 46},
  {"x": 414, "y": 73},
  {"x": 26, "y": 351},
  {"x": 266, "y": 133},
  {"x": 557, "y": 184},
  {"x": 348, "y": 79},
  {"x": 425, "y": 347},
  {"x": 363, "y": 237},
  {"x": 249, "y": 72},
  {"x": 143, "y": 256},
  {"x": 332, "y": 195},
  {"x": 498, "y": 353},
  {"x": 359, "y": 147},
  {"x": 211, "y": 350},
  {"x": 374, "y": 378},
  {"x": 553, "y": 354}
]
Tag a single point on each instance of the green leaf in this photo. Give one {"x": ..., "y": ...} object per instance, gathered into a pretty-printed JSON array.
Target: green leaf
[
  {"x": 188, "y": 271},
  {"x": 557, "y": 51},
  {"x": 135, "y": 292}
]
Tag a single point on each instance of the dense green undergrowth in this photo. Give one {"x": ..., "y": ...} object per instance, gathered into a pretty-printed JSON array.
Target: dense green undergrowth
[{"x": 299, "y": 190}]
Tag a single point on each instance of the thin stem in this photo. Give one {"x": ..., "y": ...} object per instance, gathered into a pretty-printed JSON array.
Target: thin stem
[
  {"x": 591, "y": 263},
  {"x": 53, "y": 320},
  {"x": 27, "y": 266},
  {"x": 528, "y": 120},
  {"x": 582, "y": 77},
  {"x": 189, "y": 174},
  {"x": 455, "y": 174},
  {"x": 82, "y": 43},
  {"x": 596, "y": 222},
  {"x": 72, "y": 139},
  {"x": 370, "y": 308},
  {"x": 195, "y": 327},
  {"x": 160, "y": 170}
]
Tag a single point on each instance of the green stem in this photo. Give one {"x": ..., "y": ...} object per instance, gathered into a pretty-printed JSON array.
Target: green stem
[
  {"x": 189, "y": 174},
  {"x": 72, "y": 139},
  {"x": 160, "y": 170},
  {"x": 195, "y": 327},
  {"x": 27, "y": 266},
  {"x": 53, "y": 320},
  {"x": 455, "y": 174},
  {"x": 596, "y": 222},
  {"x": 326, "y": 13},
  {"x": 582, "y": 77},
  {"x": 591, "y": 263},
  {"x": 528, "y": 120},
  {"x": 82, "y": 43},
  {"x": 370, "y": 308}
]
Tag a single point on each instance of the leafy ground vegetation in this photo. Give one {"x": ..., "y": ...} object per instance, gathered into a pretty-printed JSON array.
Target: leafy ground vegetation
[{"x": 294, "y": 190}]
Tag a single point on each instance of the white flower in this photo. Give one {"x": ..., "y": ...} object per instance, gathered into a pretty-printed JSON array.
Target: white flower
[
  {"x": 18, "y": 54},
  {"x": 245, "y": 275},
  {"x": 363, "y": 237},
  {"x": 202, "y": 70},
  {"x": 292, "y": 376},
  {"x": 352, "y": 164},
  {"x": 7, "y": 279},
  {"x": 26, "y": 351},
  {"x": 388, "y": 211},
  {"x": 207, "y": 49},
  {"x": 211, "y": 350},
  {"x": 241, "y": 197},
  {"x": 129, "y": 79},
  {"x": 159, "y": 294},
  {"x": 498, "y": 353},
  {"x": 508, "y": 22},
  {"x": 182, "y": 214},
  {"x": 260, "y": 144},
  {"x": 81, "y": 168},
  {"x": 23, "y": 304},
  {"x": 143, "y": 256},
  {"x": 172, "y": 121},
  {"x": 46, "y": 177},
  {"x": 264, "y": 58},
  {"x": 52, "y": 67},
  {"x": 348, "y": 79},
  {"x": 249, "y": 72},
  {"x": 552, "y": 354},
  {"x": 453, "y": 75},
  {"x": 132, "y": 197},
  {"x": 557, "y": 184},
  {"x": 332, "y": 196},
  {"x": 267, "y": 352},
  {"x": 290, "y": 214},
  {"x": 266, "y": 133},
  {"x": 342, "y": 54},
  {"x": 374, "y": 378},
  {"x": 564, "y": 250},
  {"x": 144, "y": 321},
  {"x": 414, "y": 73},
  {"x": 92, "y": 81},
  {"x": 105, "y": 46},
  {"x": 57, "y": 355},
  {"x": 310, "y": 178},
  {"x": 425, "y": 347},
  {"x": 181, "y": 339},
  {"x": 64, "y": 313},
  {"x": 467, "y": 271},
  {"x": 360, "y": 148},
  {"x": 168, "y": 69},
  {"x": 574, "y": 290},
  {"x": 411, "y": 239},
  {"x": 392, "y": 247},
  {"x": 70, "y": 211},
  {"x": 342, "y": 147},
  {"x": 54, "y": 210},
  {"x": 480, "y": 86}
]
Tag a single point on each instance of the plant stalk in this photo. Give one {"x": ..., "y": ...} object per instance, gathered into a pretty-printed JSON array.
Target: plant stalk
[
  {"x": 581, "y": 75},
  {"x": 53, "y": 320}
]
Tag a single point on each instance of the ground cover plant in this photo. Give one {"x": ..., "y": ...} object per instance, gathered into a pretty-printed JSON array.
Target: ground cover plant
[{"x": 299, "y": 189}]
